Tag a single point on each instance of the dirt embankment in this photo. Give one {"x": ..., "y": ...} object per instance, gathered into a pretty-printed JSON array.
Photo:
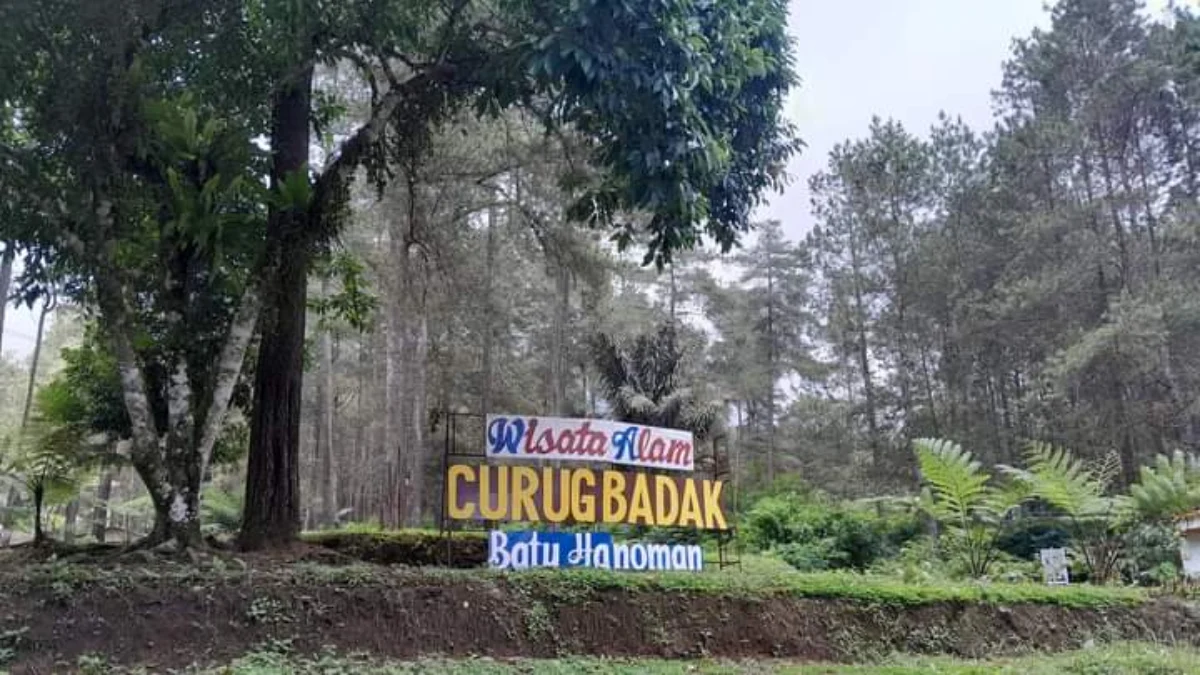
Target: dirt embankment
[{"x": 169, "y": 623}]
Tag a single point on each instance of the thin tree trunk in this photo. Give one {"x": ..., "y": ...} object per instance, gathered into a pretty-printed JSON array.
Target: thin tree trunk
[
  {"x": 100, "y": 510},
  {"x": 558, "y": 360},
  {"x": 6, "y": 271},
  {"x": 69, "y": 517},
  {"x": 489, "y": 338},
  {"x": 772, "y": 368},
  {"x": 39, "y": 498},
  {"x": 33, "y": 365},
  {"x": 328, "y": 465}
]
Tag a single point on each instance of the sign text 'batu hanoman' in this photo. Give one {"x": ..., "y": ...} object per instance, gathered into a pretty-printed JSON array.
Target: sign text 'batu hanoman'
[
  {"x": 525, "y": 550},
  {"x": 583, "y": 496},
  {"x": 587, "y": 440}
]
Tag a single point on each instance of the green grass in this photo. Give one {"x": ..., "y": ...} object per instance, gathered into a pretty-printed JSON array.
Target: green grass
[
  {"x": 1112, "y": 660},
  {"x": 757, "y": 579}
]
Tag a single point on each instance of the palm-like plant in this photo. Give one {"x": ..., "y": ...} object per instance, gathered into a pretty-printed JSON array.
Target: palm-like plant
[
  {"x": 1167, "y": 489},
  {"x": 962, "y": 496},
  {"x": 46, "y": 464},
  {"x": 1082, "y": 495},
  {"x": 642, "y": 382}
]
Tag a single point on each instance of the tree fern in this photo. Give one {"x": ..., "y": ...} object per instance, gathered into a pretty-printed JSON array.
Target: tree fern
[
  {"x": 959, "y": 494},
  {"x": 1079, "y": 492},
  {"x": 1168, "y": 488},
  {"x": 958, "y": 484},
  {"x": 1066, "y": 483}
]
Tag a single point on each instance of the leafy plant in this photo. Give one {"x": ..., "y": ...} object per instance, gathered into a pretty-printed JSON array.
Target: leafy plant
[
  {"x": 960, "y": 495},
  {"x": 642, "y": 382},
  {"x": 1168, "y": 488},
  {"x": 812, "y": 535},
  {"x": 1081, "y": 494},
  {"x": 48, "y": 461}
]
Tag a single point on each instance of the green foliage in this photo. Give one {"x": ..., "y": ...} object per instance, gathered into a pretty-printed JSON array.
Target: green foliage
[
  {"x": 960, "y": 496},
  {"x": 1168, "y": 488},
  {"x": 220, "y": 511},
  {"x": 1079, "y": 493},
  {"x": 813, "y": 534},
  {"x": 1031, "y": 534},
  {"x": 643, "y": 382},
  {"x": 1055, "y": 476},
  {"x": 1151, "y": 555},
  {"x": 353, "y": 303},
  {"x": 48, "y": 461},
  {"x": 87, "y": 391},
  {"x": 416, "y": 548},
  {"x": 709, "y": 82}
]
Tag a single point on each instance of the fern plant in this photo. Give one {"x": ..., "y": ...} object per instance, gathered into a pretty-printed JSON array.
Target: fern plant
[
  {"x": 960, "y": 495},
  {"x": 1167, "y": 489},
  {"x": 1082, "y": 495},
  {"x": 44, "y": 463}
]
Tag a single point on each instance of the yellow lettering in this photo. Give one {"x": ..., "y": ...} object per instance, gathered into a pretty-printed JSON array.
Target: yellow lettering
[
  {"x": 583, "y": 505},
  {"x": 640, "y": 508},
  {"x": 525, "y": 484},
  {"x": 499, "y": 476},
  {"x": 552, "y": 489},
  {"x": 689, "y": 513},
  {"x": 664, "y": 486},
  {"x": 614, "y": 498},
  {"x": 714, "y": 517},
  {"x": 456, "y": 473}
]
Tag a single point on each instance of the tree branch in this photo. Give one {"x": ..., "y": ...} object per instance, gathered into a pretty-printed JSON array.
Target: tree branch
[
  {"x": 354, "y": 151},
  {"x": 229, "y": 367},
  {"x": 112, "y": 305}
]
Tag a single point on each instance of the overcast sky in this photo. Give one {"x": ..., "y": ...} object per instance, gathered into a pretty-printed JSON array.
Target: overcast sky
[{"x": 906, "y": 59}]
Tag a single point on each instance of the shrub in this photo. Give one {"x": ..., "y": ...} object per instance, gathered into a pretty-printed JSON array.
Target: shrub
[
  {"x": 1028, "y": 536},
  {"x": 1152, "y": 555},
  {"x": 814, "y": 534},
  {"x": 416, "y": 548}
]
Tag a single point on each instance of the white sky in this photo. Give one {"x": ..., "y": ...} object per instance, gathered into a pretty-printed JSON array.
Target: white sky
[{"x": 906, "y": 59}]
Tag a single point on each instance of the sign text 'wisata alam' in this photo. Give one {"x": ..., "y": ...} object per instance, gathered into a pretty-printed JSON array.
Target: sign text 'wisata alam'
[{"x": 588, "y": 440}]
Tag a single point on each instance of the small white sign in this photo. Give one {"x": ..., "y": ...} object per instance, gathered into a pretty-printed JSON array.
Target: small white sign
[{"x": 1054, "y": 566}]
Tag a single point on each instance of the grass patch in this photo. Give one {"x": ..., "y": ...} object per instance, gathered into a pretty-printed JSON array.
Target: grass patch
[
  {"x": 578, "y": 584},
  {"x": 1117, "y": 659},
  {"x": 833, "y": 585}
]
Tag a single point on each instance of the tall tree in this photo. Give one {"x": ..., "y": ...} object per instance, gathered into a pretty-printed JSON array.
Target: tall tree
[{"x": 716, "y": 145}]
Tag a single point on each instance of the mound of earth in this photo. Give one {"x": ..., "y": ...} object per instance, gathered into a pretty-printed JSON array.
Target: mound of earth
[{"x": 163, "y": 619}]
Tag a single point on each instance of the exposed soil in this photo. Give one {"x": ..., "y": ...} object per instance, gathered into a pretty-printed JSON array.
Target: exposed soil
[{"x": 176, "y": 621}]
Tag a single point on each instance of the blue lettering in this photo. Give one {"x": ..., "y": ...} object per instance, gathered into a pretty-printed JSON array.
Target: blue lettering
[
  {"x": 505, "y": 435},
  {"x": 625, "y": 442}
]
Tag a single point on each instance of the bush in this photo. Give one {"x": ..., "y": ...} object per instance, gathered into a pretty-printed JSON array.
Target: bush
[
  {"x": 415, "y": 548},
  {"x": 814, "y": 534},
  {"x": 1152, "y": 555},
  {"x": 1030, "y": 536}
]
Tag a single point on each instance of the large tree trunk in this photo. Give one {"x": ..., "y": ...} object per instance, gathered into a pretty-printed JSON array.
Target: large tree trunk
[
  {"x": 408, "y": 348},
  {"x": 272, "y": 508}
]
